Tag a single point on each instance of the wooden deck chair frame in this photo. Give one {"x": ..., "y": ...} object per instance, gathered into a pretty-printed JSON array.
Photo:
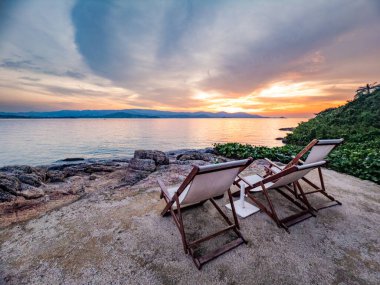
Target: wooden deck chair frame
[
  {"x": 306, "y": 211},
  {"x": 190, "y": 246},
  {"x": 297, "y": 161}
]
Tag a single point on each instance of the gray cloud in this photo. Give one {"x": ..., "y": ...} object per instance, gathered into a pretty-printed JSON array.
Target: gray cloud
[{"x": 163, "y": 51}]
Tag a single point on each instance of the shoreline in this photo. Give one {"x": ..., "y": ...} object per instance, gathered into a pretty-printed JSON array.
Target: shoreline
[
  {"x": 27, "y": 191},
  {"x": 116, "y": 230}
]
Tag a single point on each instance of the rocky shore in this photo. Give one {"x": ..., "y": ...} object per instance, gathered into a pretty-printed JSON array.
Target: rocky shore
[
  {"x": 99, "y": 223},
  {"x": 27, "y": 192}
]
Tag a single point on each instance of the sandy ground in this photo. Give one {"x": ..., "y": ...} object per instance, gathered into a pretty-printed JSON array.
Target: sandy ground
[{"x": 120, "y": 238}]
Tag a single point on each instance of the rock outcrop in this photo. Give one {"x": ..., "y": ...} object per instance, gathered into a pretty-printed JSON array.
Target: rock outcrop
[
  {"x": 142, "y": 164},
  {"x": 25, "y": 187},
  {"x": 159, "y": 157},
  {"x": 195, "y": 155}
]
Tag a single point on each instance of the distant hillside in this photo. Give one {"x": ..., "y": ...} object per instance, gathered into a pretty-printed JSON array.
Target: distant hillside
[{"x": 127, "y": 113}]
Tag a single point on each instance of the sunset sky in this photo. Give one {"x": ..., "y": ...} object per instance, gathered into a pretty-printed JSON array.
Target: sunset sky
[{"x": 291, "y": 58}]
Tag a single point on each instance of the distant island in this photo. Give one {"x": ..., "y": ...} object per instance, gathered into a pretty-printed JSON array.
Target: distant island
[{"x": 127, "y": 113}]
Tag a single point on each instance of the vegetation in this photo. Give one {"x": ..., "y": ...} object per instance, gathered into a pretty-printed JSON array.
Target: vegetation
[{"x": 358, "y": 122}]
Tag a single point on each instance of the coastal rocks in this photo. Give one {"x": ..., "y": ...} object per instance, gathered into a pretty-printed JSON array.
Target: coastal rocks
[
  {"x": 134, "y": 176},
  {"x": 9, "y": 184},
  {"x": 93, "y": 168},
  {"x": 30, "y": 179},
  {"x": 148, "y": 165},
  {"x": 6, "y": 196},
  {"x": 30, "y": 192},
  {"x": 159, "y": 157},
  {"x": 195, "y": 155},
  {"x": 55, "y": 176}
]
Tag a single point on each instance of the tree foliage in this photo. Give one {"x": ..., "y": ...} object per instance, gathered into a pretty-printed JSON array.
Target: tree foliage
[{"x": 358, "y": 122}]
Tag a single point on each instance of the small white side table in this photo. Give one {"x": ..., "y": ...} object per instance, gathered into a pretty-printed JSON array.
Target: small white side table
[{"x": 243, "y": 208}]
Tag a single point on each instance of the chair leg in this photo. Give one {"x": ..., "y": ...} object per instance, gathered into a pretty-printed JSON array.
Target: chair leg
[{"x": 321, "y": 190}]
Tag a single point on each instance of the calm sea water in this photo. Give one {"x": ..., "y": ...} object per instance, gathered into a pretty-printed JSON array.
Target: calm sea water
[{"x": 44, "y": 141}]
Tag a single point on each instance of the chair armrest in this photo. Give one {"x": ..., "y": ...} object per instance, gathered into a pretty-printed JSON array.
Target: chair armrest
[
  {"x": 272, "y": 163},
  {"x": 163, "y": 188}
]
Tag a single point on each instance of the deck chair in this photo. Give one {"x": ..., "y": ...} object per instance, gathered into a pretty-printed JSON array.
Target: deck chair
[
  {"x": 319, "y": 150},
  {"x": 288, "y": 179},
  {"x": 202, "y": 184}
]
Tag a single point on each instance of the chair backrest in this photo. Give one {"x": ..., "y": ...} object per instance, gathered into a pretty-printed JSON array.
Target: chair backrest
[
  {"x": 320, "y": 150},
  {"x": 212, "y": 180},
  {"x": 292, "y": 174}
]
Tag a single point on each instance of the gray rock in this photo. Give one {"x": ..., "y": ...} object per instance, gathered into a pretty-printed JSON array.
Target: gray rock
[
  {"x": 30, "y": 179},
  {"x": 18, "y": 169},
  {"x": 134, "y": 176},
  {"x": 31, "y": 192},
  {"x": 142, "y": 164},
  {"x": 74, "y": 170},
  {"x": 55, "y": 176},
  {"x": 9, "y": 183},
  {"x": 194, "y": 155},
  {"x": 92, "y": 168},
  {"x": 159, "y": 157},
  {"x": 210, "y": 150},
  {"x": 92, "y": 177},
  {"x": 6, "y": 196}
]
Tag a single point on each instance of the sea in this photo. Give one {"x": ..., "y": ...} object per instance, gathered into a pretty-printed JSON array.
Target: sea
[{"x": 46, "y": 141}]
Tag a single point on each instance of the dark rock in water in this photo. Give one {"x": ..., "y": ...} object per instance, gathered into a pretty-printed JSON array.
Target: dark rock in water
[
  {"x": 30, "y": 179},
  {"x": 134, "y": 176},
  {"x": 287, "y": 129},
  {"x": 55, "y": 176},
  {"x": 142, "y": 164},
  {"x": 30, "y": 192},
  {"x": 64, "y": 166},
  {"x": 9, "y": 184},
  {"x": 6, "y": 196},
  {"x": 73, "y": 159},
  {"x": 159, "y": 157},
  {"x": 194, "y": 155},
  {"x": 92, "y": 168}
]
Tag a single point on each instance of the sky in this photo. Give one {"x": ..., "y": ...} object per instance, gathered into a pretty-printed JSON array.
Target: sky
[{"x": 289, "y": 58}]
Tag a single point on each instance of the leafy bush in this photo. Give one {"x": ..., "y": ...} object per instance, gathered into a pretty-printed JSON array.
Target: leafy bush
[{"x": 358, "y": 122}]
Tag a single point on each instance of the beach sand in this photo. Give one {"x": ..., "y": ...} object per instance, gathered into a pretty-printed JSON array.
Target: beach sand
[{"x": 119, "y": 237}]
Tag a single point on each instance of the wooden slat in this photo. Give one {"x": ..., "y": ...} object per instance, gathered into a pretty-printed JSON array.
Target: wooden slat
[
  {"x": 295, "y": 219},
  {"x": 193, "y": 243},
  {"x": 227, "y": 247}
]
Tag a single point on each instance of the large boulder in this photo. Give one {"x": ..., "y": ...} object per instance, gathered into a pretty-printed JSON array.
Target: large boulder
[
  {"x": 6, "y": 196},
  {"x": 55, "y": 176},
  {"x": 134, "y": 176},
  {"x": 142, "y": 164},
  {"x": 30, "y": 192},
  {"x": 194, "y": 155},
  {"x": 18, "y": 169},
  {"x": 9, "y": 183},
  {"x": 159, "y": 157},
  {"x": 30, "y": 179}
]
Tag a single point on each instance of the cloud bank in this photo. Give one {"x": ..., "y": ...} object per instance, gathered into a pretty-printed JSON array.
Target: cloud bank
[{"x": 265, "y": 57}]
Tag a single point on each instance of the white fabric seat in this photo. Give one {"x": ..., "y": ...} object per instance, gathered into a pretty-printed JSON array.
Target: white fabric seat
[{"x": 252, "y": 179}]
